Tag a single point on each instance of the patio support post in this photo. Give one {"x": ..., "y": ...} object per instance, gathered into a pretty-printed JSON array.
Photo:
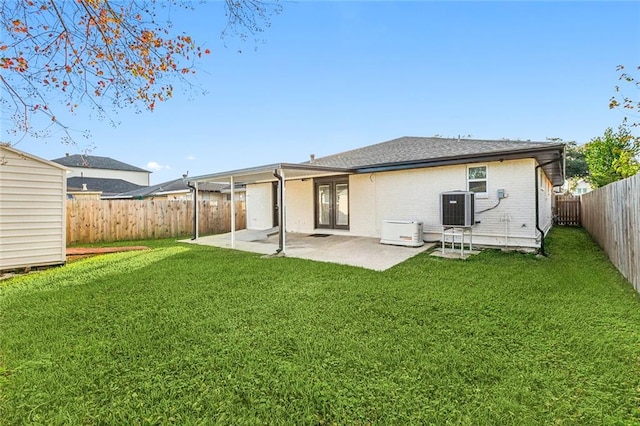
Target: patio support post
[
  {"x": 279, "y": 174},
  {"x": 283, "y": 215},
  {"x": 196, "y": 227},
  {"x": 194, "y": 187},
  {"x": 233, "y": 213}
]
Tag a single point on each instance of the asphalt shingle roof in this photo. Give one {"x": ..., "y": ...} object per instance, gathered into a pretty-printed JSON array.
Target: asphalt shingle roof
[
  {"x": 94, "y": 162},
  {"x": 410, "y": 149},
  {"x": 107, "y": 186},
  {"x": 172, "y": 185}
]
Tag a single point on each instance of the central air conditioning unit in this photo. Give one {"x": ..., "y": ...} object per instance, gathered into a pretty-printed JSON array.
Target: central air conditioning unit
[
  {"x": 457, "y": 209},
  {"x": 402, "y": 233}
]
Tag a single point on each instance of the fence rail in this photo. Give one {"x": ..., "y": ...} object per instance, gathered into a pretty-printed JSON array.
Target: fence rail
[
  {"x": 567, "y": 210},
  {"x": 93, "y": 221},
  {"x": 611, "y": 215}
]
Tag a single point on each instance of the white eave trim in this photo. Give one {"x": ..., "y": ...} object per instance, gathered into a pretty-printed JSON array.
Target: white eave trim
[{"x": 261, "y": 173}]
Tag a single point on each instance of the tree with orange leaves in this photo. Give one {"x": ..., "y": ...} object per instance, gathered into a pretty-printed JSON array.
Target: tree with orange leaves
[
  {"x": 622, "y": 99},
  {"x": 103, "y": 53}
]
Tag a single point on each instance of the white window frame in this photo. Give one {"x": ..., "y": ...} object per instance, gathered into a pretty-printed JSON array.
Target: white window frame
[{"x": 486, "y": 179}]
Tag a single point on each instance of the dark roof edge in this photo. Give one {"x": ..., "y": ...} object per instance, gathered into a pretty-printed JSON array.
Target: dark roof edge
[
  {"x": 315, "y": 167},
  {"x": 548, "y": 167},
  {"x": 458, "y": 159}
]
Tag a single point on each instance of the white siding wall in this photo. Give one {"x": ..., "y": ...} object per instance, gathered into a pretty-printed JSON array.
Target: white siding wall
[
  {"x": 32, "y": 211},
  {"x": 139, "y": 178},
  {"x": 259, "y": 206}
]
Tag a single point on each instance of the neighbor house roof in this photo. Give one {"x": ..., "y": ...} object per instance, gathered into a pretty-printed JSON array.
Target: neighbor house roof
[
  {"x": 176, "y": 185},
  {"x": 94, "y": 162},
  {"x": 106, "y": 186}
]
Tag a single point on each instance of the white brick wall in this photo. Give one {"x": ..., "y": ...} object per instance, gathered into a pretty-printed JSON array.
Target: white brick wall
[
  {"x": 300, "y": 214},
  {"x": 512, "y": 222},
  {"x": 415, "y": 195},
  {"x": 259, "y": 206}
]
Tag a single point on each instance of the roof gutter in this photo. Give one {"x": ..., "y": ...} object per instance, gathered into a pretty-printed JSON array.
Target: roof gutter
[{"x": 453, "y": 160}]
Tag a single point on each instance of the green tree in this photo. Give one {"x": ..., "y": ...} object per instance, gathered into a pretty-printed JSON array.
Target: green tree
[
  {"x": 612, "y": 157},
  {"x": 576, "y": 164}
]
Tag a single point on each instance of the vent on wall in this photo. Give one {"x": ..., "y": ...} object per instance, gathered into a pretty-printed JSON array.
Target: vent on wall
[{"x": 457, "y": 208}]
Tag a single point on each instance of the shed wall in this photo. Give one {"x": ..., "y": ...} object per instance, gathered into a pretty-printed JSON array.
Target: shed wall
[{"x": 32, "y": 212}]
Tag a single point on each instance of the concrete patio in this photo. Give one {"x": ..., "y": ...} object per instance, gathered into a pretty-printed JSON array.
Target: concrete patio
[{"x": 343, "y": 249}]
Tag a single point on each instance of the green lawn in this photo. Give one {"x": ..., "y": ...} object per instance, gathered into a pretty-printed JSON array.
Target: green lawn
[{"x": 194, "y": 335}]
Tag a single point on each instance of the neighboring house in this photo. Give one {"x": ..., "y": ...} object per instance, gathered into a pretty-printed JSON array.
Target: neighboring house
[
  {"x": 32, "y": 210},
  {"x": 83, "y": 194},
  {"x": 105, "y": 187},
  {"x": 179, "y": 190},
  {"x": 576, "y": 186},
  {"x": 353, "y": 192},
  {"x": 580, "y": 187},
  {"x": 102, "y": 174}
]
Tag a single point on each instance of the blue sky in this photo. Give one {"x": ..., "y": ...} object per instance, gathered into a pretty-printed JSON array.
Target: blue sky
[{"x": 333, "y": 76}]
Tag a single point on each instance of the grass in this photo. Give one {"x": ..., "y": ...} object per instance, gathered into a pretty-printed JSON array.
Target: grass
[{"x": 198, "y": 335}]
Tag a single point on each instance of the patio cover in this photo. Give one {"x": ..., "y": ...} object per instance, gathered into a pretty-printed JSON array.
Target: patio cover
[{"x": 280, "y": 172}]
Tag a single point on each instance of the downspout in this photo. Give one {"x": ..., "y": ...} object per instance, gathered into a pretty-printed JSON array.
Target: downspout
[
  {"x": 542, "y": 252},
  {"x": 195, "y": 209},
  {"x": 538, "y": 212},
  {"x": 280, "y": 209}
]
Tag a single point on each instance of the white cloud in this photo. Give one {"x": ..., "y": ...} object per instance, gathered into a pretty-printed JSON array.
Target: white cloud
[
  {"x": 152, "y": 165},
  {"x": 191, "y": 157}
]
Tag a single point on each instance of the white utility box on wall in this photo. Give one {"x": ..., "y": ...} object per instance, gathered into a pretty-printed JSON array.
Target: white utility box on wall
[{"x": 402, "y": 233}]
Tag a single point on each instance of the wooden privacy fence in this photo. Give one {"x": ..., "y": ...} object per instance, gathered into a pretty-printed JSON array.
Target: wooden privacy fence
[
  {"x": 611, "y": 215},
  {"x": 93, "y": 221},
  {"x": 567, "y": 210}
]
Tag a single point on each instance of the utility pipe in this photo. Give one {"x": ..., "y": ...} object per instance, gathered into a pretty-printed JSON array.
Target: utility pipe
[
  {"x": 542, "y": 252},
  {"x": 281, "y": 230}
]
